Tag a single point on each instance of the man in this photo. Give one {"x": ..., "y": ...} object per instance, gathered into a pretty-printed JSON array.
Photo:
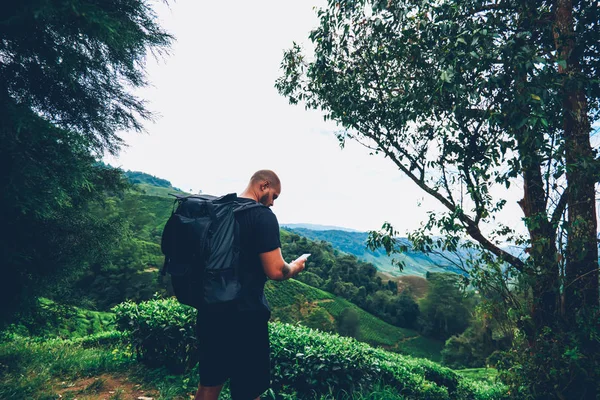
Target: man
[{"x": 234, "y": 338}]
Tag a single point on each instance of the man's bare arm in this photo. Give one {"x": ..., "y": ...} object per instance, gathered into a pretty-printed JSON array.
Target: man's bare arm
[{"x": 277, "y": 269}]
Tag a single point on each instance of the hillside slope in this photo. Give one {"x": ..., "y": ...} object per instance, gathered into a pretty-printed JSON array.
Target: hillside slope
[
  {"x": 355, "y": 243},
  {"x": 295, "y": 302}
]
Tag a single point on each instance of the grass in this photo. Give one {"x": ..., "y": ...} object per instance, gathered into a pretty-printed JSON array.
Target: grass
[
  {"x": 479, "y": 374},
  {"x": 285, "y": 293},
  {"x": 28, "y": 365},
  {"x": 152, "y": 190}
]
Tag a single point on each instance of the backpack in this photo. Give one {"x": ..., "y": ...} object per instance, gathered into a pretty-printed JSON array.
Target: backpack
[{"x": 201, "y": 245}]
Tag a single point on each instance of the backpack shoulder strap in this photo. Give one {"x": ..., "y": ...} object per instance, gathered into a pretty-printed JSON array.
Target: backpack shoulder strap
[{"x": 246, "y": 206}]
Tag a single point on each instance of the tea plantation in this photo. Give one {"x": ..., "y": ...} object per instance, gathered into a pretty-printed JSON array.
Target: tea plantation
[{"x": 152, "y": 351}]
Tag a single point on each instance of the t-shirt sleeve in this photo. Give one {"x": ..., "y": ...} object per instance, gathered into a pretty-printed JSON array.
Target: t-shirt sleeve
[{"x": 267, "y": 232}]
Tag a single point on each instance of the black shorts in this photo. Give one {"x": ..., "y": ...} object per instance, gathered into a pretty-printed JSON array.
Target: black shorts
[{"x": 234, "y": 346}]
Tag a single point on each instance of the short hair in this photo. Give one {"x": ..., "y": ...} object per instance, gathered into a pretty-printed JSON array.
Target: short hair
[{"x": 265, "y": 175}]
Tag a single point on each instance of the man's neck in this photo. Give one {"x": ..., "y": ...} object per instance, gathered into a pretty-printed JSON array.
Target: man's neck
[{"x": 247, "y": 194}]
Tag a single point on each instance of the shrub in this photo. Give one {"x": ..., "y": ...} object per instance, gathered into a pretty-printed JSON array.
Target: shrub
[
  {"x": 349, "y": 322},
  {"x": 162, "y": 332},
  {"x": 320, "y": 319},
  {"x": 306, "y": 363},
  {"x": 310, "y": 361}
]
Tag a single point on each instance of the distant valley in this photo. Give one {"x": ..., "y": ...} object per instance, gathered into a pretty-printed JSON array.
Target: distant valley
[{"x": 354, "y": 242}]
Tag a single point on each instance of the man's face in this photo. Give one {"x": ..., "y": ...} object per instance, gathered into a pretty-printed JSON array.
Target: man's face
[{"x": 269, "y": 193}]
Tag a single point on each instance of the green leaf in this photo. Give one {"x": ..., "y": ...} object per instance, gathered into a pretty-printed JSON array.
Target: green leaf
[{"x": 562, "y": 64}]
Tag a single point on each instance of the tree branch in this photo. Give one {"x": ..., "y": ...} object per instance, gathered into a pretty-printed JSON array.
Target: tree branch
[
  {"x": 471, "y": 227},
  {"x": 560, "y": 209}
]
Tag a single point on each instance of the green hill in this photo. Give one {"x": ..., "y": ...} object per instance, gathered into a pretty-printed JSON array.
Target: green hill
[
  {"x": 355, "y": 243},
  {"x": 293, "y": 301}
]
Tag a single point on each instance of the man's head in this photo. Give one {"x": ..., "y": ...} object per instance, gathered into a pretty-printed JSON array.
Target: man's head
[{"x": 266, "y": 186}]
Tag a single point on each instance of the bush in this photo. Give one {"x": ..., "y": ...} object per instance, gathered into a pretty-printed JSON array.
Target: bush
[
  {"x": 306, "y": 363},
  {"x": 557, "y": 364},
  {"x": 320, "y": 319},
  {"x": 310, "y": 361},
  {"x": 349, "y": 323},
  {"x": 314, "y": 363},
  {"x": 162, "y": 332}
]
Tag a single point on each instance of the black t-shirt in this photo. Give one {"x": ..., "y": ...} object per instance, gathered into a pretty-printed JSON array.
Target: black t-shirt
[{"x": 259, "y": 233}]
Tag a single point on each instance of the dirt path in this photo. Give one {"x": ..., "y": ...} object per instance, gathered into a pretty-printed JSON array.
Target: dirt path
[{"x": 103, "y": 387}]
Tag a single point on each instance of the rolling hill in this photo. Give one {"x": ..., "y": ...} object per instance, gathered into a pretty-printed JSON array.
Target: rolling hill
[
  {"x": 293, "y": 301},
  {"x": 354, "y": 242}
]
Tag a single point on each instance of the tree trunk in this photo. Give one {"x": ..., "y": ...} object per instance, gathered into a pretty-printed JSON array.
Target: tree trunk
[
  {"x": 581, "y": 283},
  {"x": 542, "y": 250}
]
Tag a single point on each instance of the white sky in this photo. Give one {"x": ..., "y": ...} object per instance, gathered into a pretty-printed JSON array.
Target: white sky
[{"x": 220, "y": 119}]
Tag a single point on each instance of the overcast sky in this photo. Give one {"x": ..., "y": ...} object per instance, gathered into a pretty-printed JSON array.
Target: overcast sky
[{"x": 219, "y": 119}]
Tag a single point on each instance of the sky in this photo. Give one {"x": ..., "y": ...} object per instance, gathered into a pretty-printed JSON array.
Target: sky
[{"x": 219, "y": 118}]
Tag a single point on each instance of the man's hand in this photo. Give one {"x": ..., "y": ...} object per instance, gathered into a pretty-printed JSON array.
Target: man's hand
[
  {"x": 277, "y": 269},
  {"x": 296, "y": 266}
]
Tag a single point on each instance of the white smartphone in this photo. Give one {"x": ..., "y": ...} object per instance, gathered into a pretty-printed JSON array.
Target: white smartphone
[{"x": 304, "y": 256}]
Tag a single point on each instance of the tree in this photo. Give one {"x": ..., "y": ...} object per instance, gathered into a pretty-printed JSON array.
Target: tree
[
  {"x": 349, "y": 323},
  {"x": 445, "y": 311},
  {"x": 466, "y": 97},
  {"x": 65, "y": 75}
]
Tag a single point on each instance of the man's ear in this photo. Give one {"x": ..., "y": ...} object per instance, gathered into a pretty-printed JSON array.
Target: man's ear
[{"x": 264, "y": 185}]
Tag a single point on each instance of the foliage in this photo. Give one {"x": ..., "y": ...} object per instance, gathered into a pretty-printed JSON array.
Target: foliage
[
  {"x": 346, "y": 276},
  {"x": 137, "y": 177},
  {"x": 305, "y": 361},
  {"x": 481, "y": 374},
  {"x": 162, "y": 332},
  {"x": 71, "y": 62},
  {"x": 475, "y": 346},
  {"x": 467, "y": 98},
  {"x": 66, "y": 70},
  {"x": 321, "y": 320},
  {"x": 289, "y": 299},
  {"x": 28, "y": 365},
  {"x": 348, "y": 323},
  {"x": 444, "y": 312},
  {"x": 565, "y": 359},
  {"x": 53, "y": 234},
  {"x": 54, "y": 320},
  {"x": 129, "y": 269}
]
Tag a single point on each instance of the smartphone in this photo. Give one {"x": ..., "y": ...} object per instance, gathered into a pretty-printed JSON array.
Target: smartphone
[{"x": 304, "y": 256}]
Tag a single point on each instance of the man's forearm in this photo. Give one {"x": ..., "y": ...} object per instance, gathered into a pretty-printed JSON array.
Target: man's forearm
[{"x": 289, "y": 271}]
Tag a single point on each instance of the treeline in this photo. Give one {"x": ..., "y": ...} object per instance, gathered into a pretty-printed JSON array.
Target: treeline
[
  {"x": 130, "y": 269},
  {"x": 142, "y": 177}
]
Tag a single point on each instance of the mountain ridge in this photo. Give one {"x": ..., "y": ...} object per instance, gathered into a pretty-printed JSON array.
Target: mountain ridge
[{"x": 354, "y": 242}]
